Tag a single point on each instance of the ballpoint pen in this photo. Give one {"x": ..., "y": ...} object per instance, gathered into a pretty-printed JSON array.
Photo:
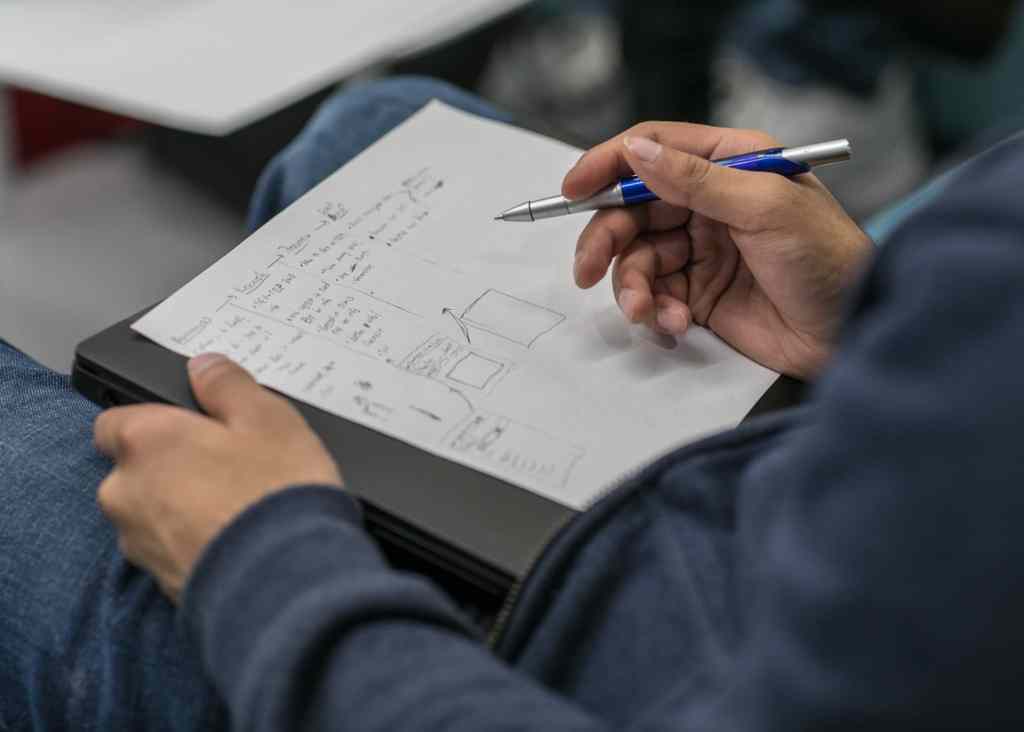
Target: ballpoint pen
[{"x": 630, "y": 191}]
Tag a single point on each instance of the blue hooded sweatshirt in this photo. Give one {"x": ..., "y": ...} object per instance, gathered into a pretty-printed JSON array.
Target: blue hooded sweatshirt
[{"x": 853, "y": 564}]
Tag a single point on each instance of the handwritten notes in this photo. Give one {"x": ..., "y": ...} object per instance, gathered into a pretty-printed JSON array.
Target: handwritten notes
[{"x": 389, "y": 296}]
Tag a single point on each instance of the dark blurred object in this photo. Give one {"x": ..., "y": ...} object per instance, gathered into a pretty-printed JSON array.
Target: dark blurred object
[
  {"x": 667, "y": 47},
  {"x": 848, "y": 44},
  {"x": 973, "y": 103},
  {"x": 861, "y": 51},
  {"x": 971, "y": 29},
  {"x": 801, "y": 45},
  {"x": 462, "y": 62},
  {"x": 44, "y": 125},
  {"x": 228, "y": 167}
]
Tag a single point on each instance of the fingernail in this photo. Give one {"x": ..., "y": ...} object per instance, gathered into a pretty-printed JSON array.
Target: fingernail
[
  {"x": 646, "y": 150},
  {"x": 203, "y": 361},
  {"x": 627, "y": 301},
  {"x": 672, "y": 320}
]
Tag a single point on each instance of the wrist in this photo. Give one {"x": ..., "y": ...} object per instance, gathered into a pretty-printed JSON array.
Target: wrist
[
  {"x": 807, "y": 356},
  {"x": 253, "y": 529},
  {"x": 818, "y": 346}
]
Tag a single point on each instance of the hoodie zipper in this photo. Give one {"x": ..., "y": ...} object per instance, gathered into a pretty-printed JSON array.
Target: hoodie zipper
[
  {"x": 619, "y": 484},
  {"x": 624, "y": 482}
]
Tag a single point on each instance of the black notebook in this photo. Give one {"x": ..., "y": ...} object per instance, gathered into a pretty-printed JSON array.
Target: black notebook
[
  {"x": 474, "y": 398},
  {"x": 470, "y": 529}
]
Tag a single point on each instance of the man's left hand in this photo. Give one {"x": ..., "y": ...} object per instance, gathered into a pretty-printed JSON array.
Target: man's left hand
[{"x": 181, "y": 477}]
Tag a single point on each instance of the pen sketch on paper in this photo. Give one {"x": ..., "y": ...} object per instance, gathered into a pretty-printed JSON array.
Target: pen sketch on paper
[
  {"x": 439, "y": 357},
  {"x": 511, "y": 318},
  {"x": 506, "y": 316},
  {"x": 458, "y": 322},
  {"x": 386, "y": 297},
  {"x": 522, "y": 450}
]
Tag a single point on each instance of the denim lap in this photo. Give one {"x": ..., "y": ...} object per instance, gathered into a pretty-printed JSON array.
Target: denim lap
[
  {"x": 87, "y": 642},
  {"x": 84, "y": 637},
  {"x": 344, "y": 126}
]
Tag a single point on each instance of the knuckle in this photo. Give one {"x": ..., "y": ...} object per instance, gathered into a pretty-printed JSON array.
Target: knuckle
[
  {"x": 130, "y": 434},
  {"x": 773, "y": 203},
  {"x": 648, "y": 129},
  {"x": 602, "y": 241},
  {"x": 641, "y": 128},
  {"x": 217, "y": 373},
  {"x": 700, "y": 170},
  {"x": 107, "y": 497},
  {"x": 107, "y": 425},
  {"x": 101, "y": 426},
  {"x": 271, "y": 412},
  {"x": 280, "y": 405},
  {"x": 586, "y": 243},
  {"x": 692, "y": 173},
  {"x": 761, "y": 139},
  {"x": 144, "y": 428},
  {"x": 101, "y": 420}
]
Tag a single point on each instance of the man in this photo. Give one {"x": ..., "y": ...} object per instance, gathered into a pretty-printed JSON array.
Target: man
[{"x": 853, "y": 564}]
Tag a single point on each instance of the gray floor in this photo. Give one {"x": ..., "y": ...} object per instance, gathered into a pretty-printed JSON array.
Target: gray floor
[{"x": 91, "y": 236}]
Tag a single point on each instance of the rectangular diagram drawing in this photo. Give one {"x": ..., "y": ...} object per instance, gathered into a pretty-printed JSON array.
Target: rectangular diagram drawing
[
  {"x": 515, "y": 449},
  {"x": 511, "y": 318},
  {"x": 475, "y": 370},
  {"x": 441, "y": 358}
]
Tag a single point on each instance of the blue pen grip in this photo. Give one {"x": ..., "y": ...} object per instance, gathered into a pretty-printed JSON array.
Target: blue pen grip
[
  {"x": 764, "y": 161},
  {"x": 634, "y": 191}
]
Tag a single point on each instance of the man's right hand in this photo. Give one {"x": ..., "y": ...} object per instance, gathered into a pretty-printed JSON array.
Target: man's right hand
[{"x": 762, "y": 260}]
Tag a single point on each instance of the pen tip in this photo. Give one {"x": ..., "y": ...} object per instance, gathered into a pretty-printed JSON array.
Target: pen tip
[{"x": 499, "y": 217}]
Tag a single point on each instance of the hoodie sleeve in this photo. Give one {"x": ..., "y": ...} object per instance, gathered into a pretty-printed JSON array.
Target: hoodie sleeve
[
  {"x": 303, "y": 626},
  {"x": 884, "y": 564}
]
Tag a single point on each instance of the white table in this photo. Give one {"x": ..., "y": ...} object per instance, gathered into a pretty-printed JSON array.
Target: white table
[{"x": 213, "y": 66}]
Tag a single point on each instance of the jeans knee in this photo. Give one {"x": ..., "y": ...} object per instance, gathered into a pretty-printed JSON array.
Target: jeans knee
[
  {"x": 392, "y": 99},
  {"x": 345, "y": 125},
  {"x": 414, "y": 91}
]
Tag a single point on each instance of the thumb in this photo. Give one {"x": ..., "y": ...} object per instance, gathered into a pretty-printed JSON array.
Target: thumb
[
  {"x": 225, "y": 390},
  {"x": 690, "y": 181}
]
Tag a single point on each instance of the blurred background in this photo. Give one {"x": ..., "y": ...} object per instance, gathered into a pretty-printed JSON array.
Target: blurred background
[{"x": 102, "y": 214}]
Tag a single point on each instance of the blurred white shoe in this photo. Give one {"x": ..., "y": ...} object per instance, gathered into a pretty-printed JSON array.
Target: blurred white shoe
[
  {"x": 564, "y": 75},
  {"x": 890, "y": 159}
]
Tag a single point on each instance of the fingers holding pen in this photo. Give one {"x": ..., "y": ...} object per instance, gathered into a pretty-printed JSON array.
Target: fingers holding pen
[
  {"x": 605, "y": 163},
  {"x": 650, "y": 283},
  {"x": 606, "y": 236},
  {"x": 612, "y": 230}
]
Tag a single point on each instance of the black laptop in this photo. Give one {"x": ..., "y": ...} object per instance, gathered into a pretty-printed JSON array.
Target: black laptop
[{"x": 474, "y": 533}]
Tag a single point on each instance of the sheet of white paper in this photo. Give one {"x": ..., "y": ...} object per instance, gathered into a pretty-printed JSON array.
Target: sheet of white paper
[
  {"x": 212, "y": 66},
  {"x": 388, "y": 295}
]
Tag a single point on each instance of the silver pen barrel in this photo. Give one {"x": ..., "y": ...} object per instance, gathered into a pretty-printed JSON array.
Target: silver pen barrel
[
  {"x": 822, "y": 153},
  {"x": 549, "y": 208}
]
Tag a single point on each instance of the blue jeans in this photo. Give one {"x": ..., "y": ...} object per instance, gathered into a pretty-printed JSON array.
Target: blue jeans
[
  {"x": 87, "y": 642},
  {"x": 346, "y": 125}
]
